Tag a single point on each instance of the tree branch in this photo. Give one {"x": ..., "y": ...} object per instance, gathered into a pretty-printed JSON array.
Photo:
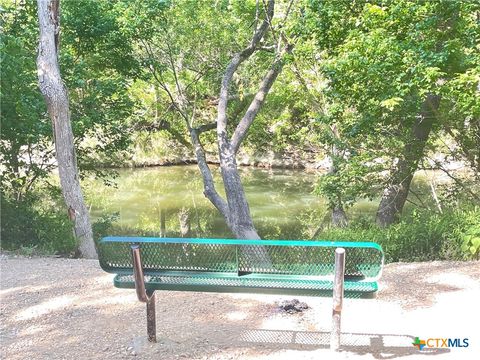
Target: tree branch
[
  {"x": 175, "y": 76},
  {"x": 208, "y": 184},
  {"x": 270, "y": 48},
  {"x": 256, "y": 104},
  {"x": 231, "y": 68},
  {"x": 161, "y": 82},
  {"x": 169, "y": 93},
  {"x": 205, "y": 127},
  {"x": 455, "y": 179}
]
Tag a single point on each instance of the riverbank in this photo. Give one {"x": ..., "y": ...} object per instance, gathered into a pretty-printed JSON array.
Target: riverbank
[
  {"x": 68, "y": 309},
  {"x": 163, "y": 152},
  {"x": 307, "y": 159}
]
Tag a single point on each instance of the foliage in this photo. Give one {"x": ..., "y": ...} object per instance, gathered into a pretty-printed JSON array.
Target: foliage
[
  {"x": 102, "y": 226},
  {"x": 184, "y": 54},
  {"x": 100, "y": 108},
  {"x": 25, "y": 147},
  {"x": 380, "y": 62},
  {"x": 101, "y": 105},
  {"x": 419, "y": 236},
  {"x": 471, "y": 236},
  {"x": 351, "y": 180},
  {"x": 461, "y": 112},
  {"x": 140, "y": 72},
  {"x": 98, "y": 89},
  {"x": 36, "y": 224}
]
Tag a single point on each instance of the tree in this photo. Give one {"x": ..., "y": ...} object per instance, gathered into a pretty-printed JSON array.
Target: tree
[
  {"x": 387, "y": 65},
  {"x": 236, "y": 209},
  {"x": 329, "y": 137},
  {"x": 195, "y": 45},
  {"x": 446, "y": 52},
  {"x": 56, "y": 97},
  {"x": 100, "y": 105},
  {"x": 396, "y": 192}
]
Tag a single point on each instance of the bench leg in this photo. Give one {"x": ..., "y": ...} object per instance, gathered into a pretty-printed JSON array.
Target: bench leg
[
  {"x": 151, "y": 321},
  {"x": 146, "y": 296},
  {"x": 337, "y": 299}
]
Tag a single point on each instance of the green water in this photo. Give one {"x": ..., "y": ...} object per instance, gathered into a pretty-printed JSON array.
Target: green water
[{"x": 281, "y": 202}]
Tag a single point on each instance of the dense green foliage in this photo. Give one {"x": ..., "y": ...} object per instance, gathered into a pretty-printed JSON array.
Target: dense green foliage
[
  {"x": 418, "y": 236},
  {"x": 381, "y": 61},
  {"x": 35, "y": 227},
  {"x": 139, "y": 73}
]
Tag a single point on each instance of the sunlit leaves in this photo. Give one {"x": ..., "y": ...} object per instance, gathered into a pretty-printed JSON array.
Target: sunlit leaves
[{"x": 381, "y": 60}]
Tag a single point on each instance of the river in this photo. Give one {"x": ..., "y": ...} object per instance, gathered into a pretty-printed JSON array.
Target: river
[{"x": 282, "y": 202}]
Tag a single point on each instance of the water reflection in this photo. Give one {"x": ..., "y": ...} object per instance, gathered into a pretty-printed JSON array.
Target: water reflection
[{"x": 169, "y": 201}]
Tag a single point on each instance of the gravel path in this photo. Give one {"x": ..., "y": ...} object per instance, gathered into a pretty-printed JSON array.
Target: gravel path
[{"x": 68, "y": 309}]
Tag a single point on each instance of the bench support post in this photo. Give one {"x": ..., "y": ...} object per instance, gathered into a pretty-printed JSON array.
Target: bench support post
[
  {"x": 337, "y": 299},
  {"x": 143, "y": 295},
  {"x": 151, "y": 321}
]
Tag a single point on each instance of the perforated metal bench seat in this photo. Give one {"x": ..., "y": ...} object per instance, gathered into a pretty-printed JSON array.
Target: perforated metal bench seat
[
  {"x": 291, "y": 267},
  {"x": 229, "y": 283}
]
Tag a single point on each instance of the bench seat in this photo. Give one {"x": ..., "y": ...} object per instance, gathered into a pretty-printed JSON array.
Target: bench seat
[{"x": 252, "y": 283}]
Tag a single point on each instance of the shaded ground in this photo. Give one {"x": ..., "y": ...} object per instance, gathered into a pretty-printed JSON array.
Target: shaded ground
[{"x": 68, "y": 309}]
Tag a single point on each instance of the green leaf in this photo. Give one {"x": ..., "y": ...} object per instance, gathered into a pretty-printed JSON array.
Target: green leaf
[{"x": 391, "y": 103}]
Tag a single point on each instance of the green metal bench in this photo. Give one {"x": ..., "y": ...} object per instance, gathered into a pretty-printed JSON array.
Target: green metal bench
[{"x": 238, "y": 266}]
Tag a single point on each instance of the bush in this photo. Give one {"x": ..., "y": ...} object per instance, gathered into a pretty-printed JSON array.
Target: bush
[
  {"x": 471, "y": 236},
  {"x": 418, "y": 237},
  {"x": 102, "y": 227},
  {"x": 55, "y": 232},
  {"x": 17, "y": 227},
  {"x": 35, "y": 226}
]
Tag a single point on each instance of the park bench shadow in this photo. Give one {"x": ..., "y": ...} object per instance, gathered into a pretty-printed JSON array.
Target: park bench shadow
[{"x": 380, "y": 346}]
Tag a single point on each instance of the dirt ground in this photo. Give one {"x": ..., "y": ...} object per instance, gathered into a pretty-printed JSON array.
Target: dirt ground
[{"x": 68, "y": 309}]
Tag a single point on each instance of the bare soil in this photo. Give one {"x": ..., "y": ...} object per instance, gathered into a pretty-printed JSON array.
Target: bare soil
[{"x": 68, "y": 309}]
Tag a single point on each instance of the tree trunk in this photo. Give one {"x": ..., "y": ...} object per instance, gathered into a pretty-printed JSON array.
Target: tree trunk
[
  {"x": 184, "y": 220},
  {"x": 239, "y": 218},
  {"x": 395, "y": 195},
  {"x": 339, "y": 217},
  {"x": 56, "y": 97},
  {"x": 163, "y": 232}
]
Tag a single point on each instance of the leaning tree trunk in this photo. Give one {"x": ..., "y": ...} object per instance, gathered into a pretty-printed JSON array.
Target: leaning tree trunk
[
  {"x": 395, "y": 195},
  {"x": 239, "y": 217},
  {"x": 56, "y": 97}
]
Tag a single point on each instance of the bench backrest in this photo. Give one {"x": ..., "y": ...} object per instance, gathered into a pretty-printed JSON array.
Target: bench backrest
[{"x": 275, "y": 257}]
